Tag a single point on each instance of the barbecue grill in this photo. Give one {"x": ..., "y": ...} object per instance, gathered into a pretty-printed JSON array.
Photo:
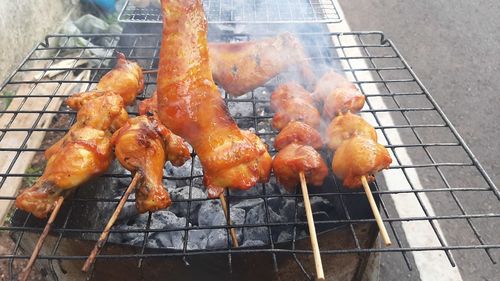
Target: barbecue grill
[
  {"x": 254, "y": 11},
  {"x": 398, "y": 104}
]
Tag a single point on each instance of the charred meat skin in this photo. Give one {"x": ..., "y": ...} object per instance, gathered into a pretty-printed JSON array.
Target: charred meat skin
[
  {"x": 140, "y": 147},
  {"x": 241, "y": 67},
  {"x": 190, "y": 104}
]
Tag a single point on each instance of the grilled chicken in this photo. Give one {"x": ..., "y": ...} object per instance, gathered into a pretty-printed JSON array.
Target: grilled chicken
[
  {"x": 99, "y": 110},
  {"x": 140, "y": 147},
  {"x": 292, "y": 102},
  {"x": 85, "y": 151},
  {"x": 190, "y": 104},
  {"x": 84, "y": 154},
  {"x": 359, "y": 156},
  {"x": 125, "y": 79},
  {"x": 338, "y": 95},
  {"x": 293, "y": 159},
  {"x": 177, "y": 149},
  {"x": 346, "y": 126},
  {"x": 243, "y": 66},
  {"x": 298, "y": 133}
]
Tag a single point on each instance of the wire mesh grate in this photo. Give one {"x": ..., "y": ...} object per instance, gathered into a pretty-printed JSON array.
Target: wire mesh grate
[
  {"x": 430, "y": 161},
  {"x": 254, "y": 11}
]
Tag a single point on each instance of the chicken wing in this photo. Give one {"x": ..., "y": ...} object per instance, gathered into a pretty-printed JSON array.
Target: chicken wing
[
  {"x": 338, "y": 95},
  {"x": 99, "y": 110},
  {"x": 293, "y": 103},
  {"x": 359, "y": 156},
  {"x": 191, "y": 106},
  {"x": 84, "y": 153},
  {"x": 293, "y": 159},
  {"x": 140, "y": 147},
  {"x": 298, "y": 133},
  {"x": 126, "y": 80},
  {"x": 243, "y": 66},
  {"x": 346, "y": 126},
  {"x": 177, "y": 149}
]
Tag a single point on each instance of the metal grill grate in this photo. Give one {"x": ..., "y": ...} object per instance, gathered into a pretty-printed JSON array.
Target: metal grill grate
[
  {"x": 254, "y": 11},
  {"x": 408, "y": 121}
]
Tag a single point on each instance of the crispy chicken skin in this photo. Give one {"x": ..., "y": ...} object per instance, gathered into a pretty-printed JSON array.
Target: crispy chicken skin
[
  {"x": 243, "y": 66},
  {"x": 338, "y": 94},
  {"x": 125, "y": 79},
  {"x": 346, "y": 126},
  {"x": 291, "y": 102},
  {"x": 99, "y": 110},
  {"x": 177, "y": 149},
  {"x": 359, "y": 156},
  {"x": 293, "y": 159},
  {"x": 298, "y": 133},
  {"x": 84, "y": 153},
  {"x": 190, "y": 104},
  {"x": 140, "y": 147}
]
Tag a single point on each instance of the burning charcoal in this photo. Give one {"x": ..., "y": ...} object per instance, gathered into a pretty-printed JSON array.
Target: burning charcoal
[
  {"x": 209, "y": 210},
  {"x": 197, "y": 239},
  {"x": 181, "y": 208},
  {"x": 257, "y": 215},
  {"x": 166, "y": 219},
  {"x": 249, "y": 203},
  {"x": 284, "y": 236},
  {"x": 253, "y": 243},
  {"x": 183, "y": 171},
  {"x": 217, "y": 239},
  {"x": 321, "y": 216},
  {"x": 240, "y": 108},
  {"x": 287, "y": 212}
]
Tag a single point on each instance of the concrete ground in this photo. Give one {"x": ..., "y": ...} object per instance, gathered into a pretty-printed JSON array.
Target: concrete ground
[{"x": 453, "y": 48}]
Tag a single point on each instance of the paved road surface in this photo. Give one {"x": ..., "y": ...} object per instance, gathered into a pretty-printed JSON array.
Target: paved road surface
[{"x": 453, "y": 46}]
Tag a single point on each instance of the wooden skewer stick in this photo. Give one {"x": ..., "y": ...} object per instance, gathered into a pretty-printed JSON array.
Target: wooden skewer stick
[
  {"x": 102, "y": 239},
  {"x": 376, "y": 213},
  {"x": 150, "y": 71},
  {"x": 320, "y": 275},
  {"x": 234, "y": 238},
  {"x": 27, "y": 270}
]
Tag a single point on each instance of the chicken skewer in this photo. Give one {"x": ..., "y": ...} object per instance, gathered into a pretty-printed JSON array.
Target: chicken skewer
[
  {"x": 85, "y": 149},
  {"x": 297, "y": 156},
  {"x": 149, "y": 106},
  {"x": 140, "y": 146},
  {"x": 190, "y": 104},
  {"x": 357, "y": 155}
]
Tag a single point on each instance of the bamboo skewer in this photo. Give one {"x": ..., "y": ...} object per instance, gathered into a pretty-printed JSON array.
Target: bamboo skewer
[
  {"x": 223, "y": 202},
  {"x": 150, "y": 71},
  {"x": 27, "y": 270},
  {"x": 320, "y": 275},
  {"x": 376, "y": 213},
  {"x": 104, "y": 235}
]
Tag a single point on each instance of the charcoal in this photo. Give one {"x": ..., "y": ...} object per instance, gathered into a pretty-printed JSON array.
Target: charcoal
[
  {"x": 257, "y": 215},
  {"x": 217, "y": 239},
  {"x": 183, "y": 171},
  {"x": 209, "y": 210},
  {"x": 249, "y": 204},
  {"x": 253, "y": 243},
  {"x": 287, "y": 212},
  {"x": 197, "y": 239},
  {"x": 181, "y": 208},
  {"x": 284, "y": 236}
]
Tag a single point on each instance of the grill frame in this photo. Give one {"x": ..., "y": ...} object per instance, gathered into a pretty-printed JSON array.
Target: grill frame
[
  {"x": 391, "y": 220},
  {"x": 319, "y": 11}
]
